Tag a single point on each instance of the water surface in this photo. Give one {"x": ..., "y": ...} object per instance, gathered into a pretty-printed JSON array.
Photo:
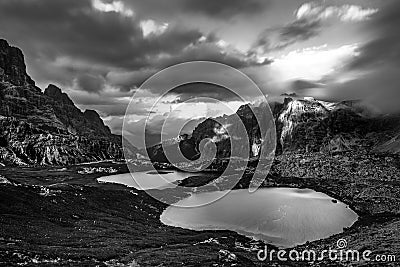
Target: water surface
[
  {"x": 147, "y": 179},
  {"x": 281, "y": 216}
]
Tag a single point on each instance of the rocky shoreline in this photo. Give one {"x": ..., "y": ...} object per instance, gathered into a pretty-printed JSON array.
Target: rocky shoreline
[{"x": 61, "y": 214}]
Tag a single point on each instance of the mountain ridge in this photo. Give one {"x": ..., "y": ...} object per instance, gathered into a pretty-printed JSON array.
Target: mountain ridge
[
  {"x": 302, "y": 125},
  {"x": 46, "y": 128}
]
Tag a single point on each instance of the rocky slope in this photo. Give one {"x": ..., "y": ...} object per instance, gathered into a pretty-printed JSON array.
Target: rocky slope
[
  {"x": 310, "y": 125},
  {"x": 46, "y": 127},
  {"x": 302, "y": 125}
]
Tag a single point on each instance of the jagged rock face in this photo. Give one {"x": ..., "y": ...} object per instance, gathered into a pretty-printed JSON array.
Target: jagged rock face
[
  {"x": 46, "y": 128},
  {"x": 34, "y": 140},
  {"x": 302, "y": 123},
  {"x": 311, "y": 125},
  {"x": 87, "y": 123},
  {"x": 12, "y": 65},
  {"x": 28, "y": 145},
  {"x": 51, "y": 132}
]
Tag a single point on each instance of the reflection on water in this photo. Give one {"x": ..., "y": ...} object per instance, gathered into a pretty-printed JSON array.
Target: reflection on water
[
  {"x": 281, "y": 216},
  {"x": 147, "y": 179}
]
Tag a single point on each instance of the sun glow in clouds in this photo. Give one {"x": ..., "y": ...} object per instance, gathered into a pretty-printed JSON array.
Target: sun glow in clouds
[
  {"x": 311, "y": 63},
  {"x": 151, "y": 27},
  {"x": 344, "y": 13},
  {"x": 196, "y": 110},
  {"x": 114, "y": 6}
]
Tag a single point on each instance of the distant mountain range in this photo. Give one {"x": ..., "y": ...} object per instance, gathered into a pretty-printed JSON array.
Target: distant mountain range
[
  {"x": 46, "y": 128},
  {"x": 302, "y": 125}
]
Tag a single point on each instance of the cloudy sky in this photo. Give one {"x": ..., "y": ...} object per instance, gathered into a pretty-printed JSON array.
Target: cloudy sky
[{"x": 100, "y": 51}]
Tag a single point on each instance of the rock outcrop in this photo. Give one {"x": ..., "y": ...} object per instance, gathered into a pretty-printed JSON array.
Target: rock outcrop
[
  {"x": 12, "y": 65},
  {"x": 301, "y": 123},
  {"x": 46, "y": 128}
]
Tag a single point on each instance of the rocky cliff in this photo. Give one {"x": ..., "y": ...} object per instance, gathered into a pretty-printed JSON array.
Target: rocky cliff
[
  {"x": 302, "y": 125},
  {"x": 46, "y": 127},
  {"x": 316, "y": 126},
  {"x": 12, "y": 65}
]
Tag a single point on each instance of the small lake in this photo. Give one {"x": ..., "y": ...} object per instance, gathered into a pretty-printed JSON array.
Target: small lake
[
  {"x": 284, "y": 217},
  {"x": 147, "y": 179}
]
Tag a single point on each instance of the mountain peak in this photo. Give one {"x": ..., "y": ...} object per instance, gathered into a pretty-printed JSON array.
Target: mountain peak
[
  {"x": 93, "y": 116},
  {"x": 12, "y": 65},
  {"x": 55, "y": 93},
  {"x": 244, "y": 109},
  {"x": 3, "y": 43}
]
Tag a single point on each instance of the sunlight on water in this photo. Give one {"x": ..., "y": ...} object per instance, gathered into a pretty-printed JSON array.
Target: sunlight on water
[{"x": 146, "y": 179}]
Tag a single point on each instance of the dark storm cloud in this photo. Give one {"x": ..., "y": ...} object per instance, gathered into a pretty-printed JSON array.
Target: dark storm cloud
[
  {"x": 281, "y": 37},
  {"x": 215, "y": 9},
  {"x": 299, "y": 30},
  {"x": 223, "y": 9},
  {"x": 300, "y": 85},
  {"x": 78, "y": 31},
  {"x": 378, "y": 62},
  {"x": 68, "y": 38},
  {"x": 109, "y": 106},
  {"x": 128, "y": 80},
  {"x": 193, "y": 91},
  {"x": 210, "y": 51},
  {"x": 90, "y": 82},
  {"x": 207, "y": 49},
  {"x": 310, "y": 19},
  {"x": 384, "y": 48}
]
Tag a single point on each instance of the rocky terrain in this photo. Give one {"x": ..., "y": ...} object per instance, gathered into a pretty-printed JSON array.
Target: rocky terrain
[
  {"x": 46, "y": 128},
  {"x": 302, "y": 126},
  {"x": 63, "y": 217},
  {"x": 341, "y": 149}
]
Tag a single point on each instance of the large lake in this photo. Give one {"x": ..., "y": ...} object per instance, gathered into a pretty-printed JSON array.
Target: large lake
[{"x": 284, "y": 217}]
